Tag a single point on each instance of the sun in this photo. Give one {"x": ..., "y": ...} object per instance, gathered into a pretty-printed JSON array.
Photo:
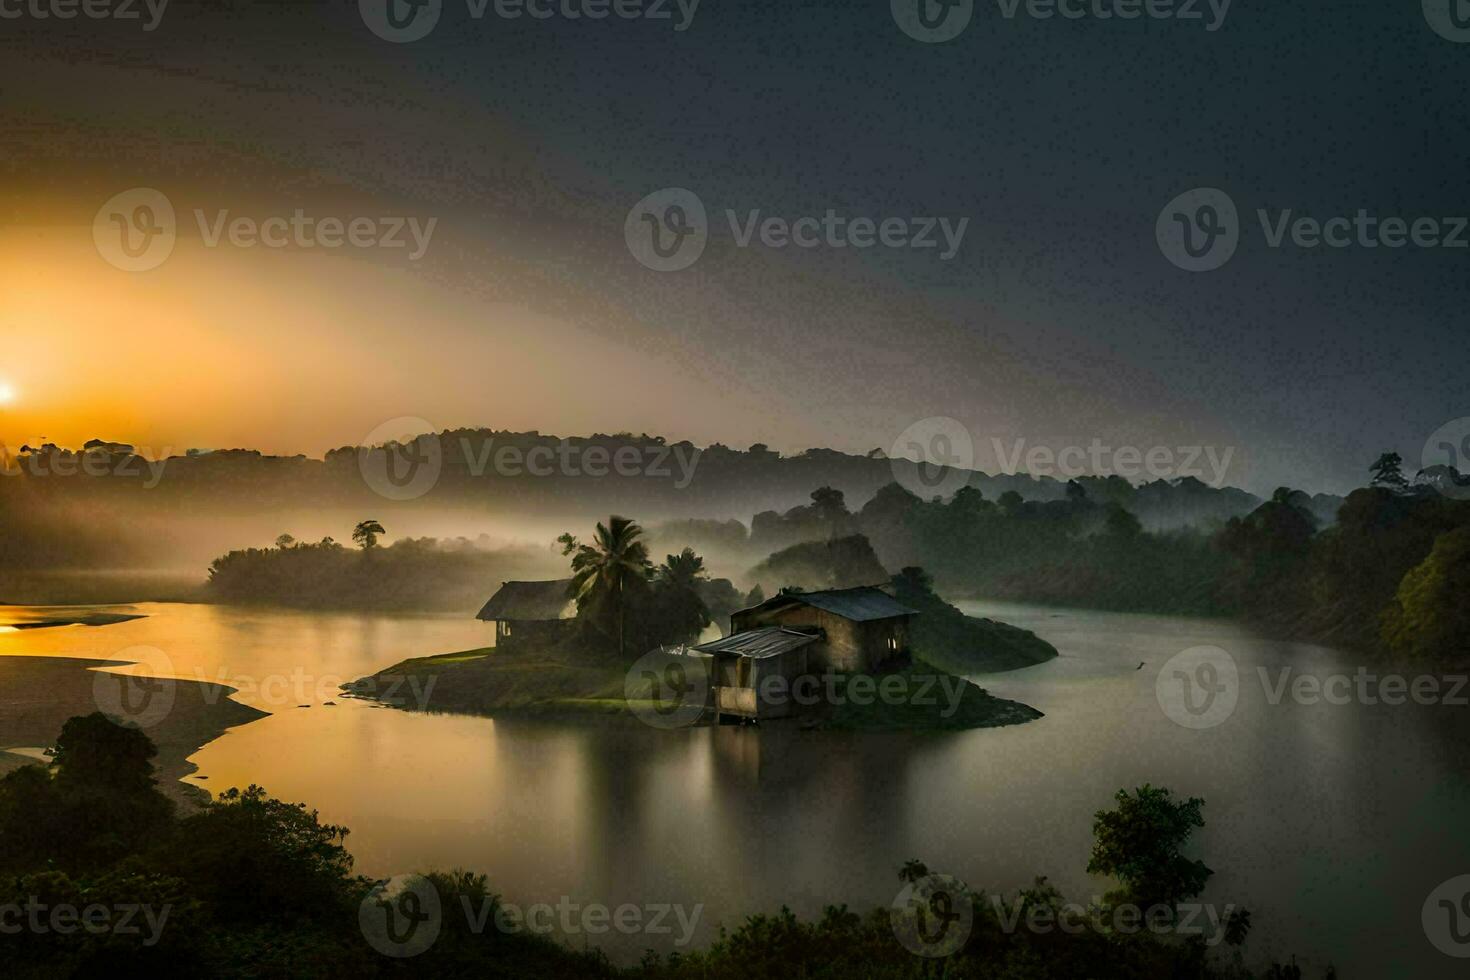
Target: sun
[{"x": 7, "y": 393}]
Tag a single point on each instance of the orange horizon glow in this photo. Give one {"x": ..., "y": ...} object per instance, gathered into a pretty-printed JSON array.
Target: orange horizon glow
[{"x": 295, "y": 353}]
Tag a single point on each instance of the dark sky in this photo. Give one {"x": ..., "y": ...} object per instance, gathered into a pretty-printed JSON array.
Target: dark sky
[{"x": 1058, "y": 321}]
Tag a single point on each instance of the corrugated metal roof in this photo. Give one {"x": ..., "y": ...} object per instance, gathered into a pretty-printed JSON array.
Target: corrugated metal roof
[
  {"x": 768, "y": 641},
  {"x": 529, "y": 600},
  {"x": 860, "y": 604}
]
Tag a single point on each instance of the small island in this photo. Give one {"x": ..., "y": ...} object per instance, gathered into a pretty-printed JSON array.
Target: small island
[{"x": 882, "y": 657}]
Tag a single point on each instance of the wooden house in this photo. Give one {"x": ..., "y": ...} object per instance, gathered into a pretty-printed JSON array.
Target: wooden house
[
  {"x": 862, "y": 630},
  {"x": 530, "y": 614},
  {"x": 741, "y": 664}
]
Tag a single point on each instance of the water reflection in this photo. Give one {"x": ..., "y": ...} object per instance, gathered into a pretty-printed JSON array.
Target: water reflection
[{"x": 1332, "y": 823}]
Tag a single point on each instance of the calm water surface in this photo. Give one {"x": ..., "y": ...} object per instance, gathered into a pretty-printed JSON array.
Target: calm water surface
[{"x": 1331, "y": 823}]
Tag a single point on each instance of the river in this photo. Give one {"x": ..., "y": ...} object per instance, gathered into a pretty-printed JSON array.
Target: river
[{"x": 1331, "y": 822}]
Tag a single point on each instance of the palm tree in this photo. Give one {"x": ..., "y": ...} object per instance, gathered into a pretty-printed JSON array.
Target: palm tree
[
  {"x": 684, "y": 569},
  {"x": 681, "y": 580},
  {"x": 365, "y": 535},
  {"x": 606, "y": 571}
]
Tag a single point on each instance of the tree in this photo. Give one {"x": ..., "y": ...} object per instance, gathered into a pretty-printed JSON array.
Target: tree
[
  {"x": 721, "y": 599},
  {"x": 913, "y": 584},
  {"x": 610, "y": 572},
  {"x": 830, "y": 507},
  {"x": 251, "y": 857},
  {"x": 104, "y": 803},
  {"x": 1141, "y": 843},
  {"x": 1270, "y": 549},
  {"x": 680, "y": 610},
  {"x": 1122, "y": 524},
  {"x": 755, "y": 597},
  {"x": 1388, "y": 472},
  {"x": 684, "y": 569},
  {"x": 365, "y": 535},
  {"x": 95, "y": 752},
  {"x": 285, "y": 541},
  {"x": 1429, "y": 619}
]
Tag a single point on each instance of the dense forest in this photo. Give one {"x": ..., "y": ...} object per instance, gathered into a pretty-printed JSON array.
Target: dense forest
[
  {"x": 1385, "y": 576},
  {"x": 108, "y": 505}
]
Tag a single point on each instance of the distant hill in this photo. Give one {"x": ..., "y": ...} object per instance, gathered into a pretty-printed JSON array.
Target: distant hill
[{"x": 103, "y": 507}]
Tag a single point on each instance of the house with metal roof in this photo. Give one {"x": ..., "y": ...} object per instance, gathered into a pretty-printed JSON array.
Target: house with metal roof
[
  {"x": 530, "y": 613},
  {"x": 857, "y": 631},
  {"x": 752, "y": 674}
]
